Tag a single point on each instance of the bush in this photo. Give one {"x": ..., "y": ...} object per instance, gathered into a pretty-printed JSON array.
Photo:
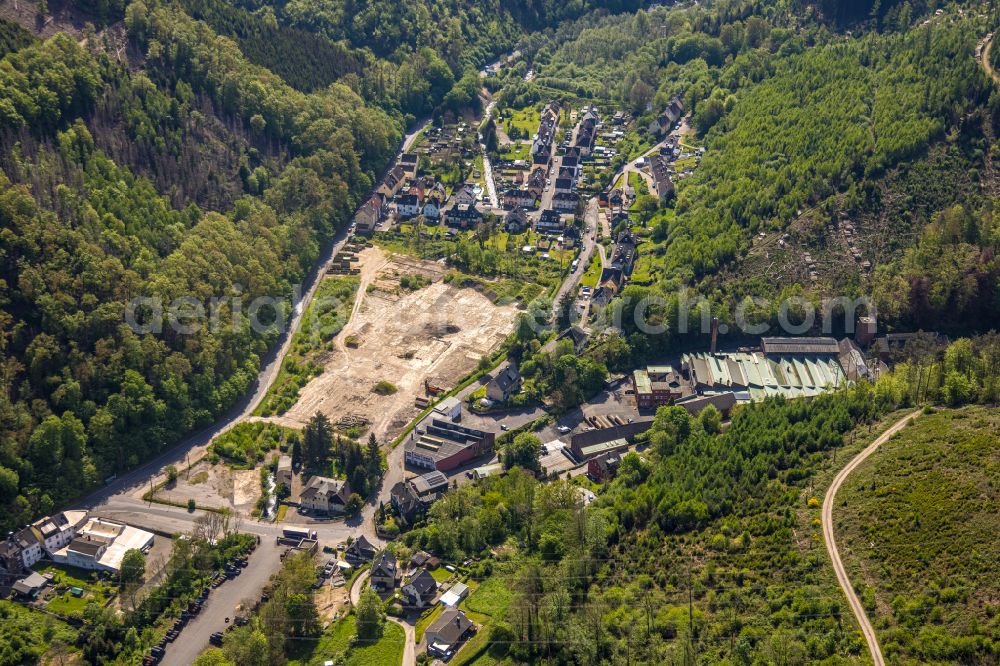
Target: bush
[
  {"x": 384, "y": 387},
  {"x": 192, "y": 505}
]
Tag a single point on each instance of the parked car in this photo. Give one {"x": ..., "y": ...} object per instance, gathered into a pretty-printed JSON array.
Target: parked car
[
  {"x": 563, "y": 429},
  {"x": 216, "y": 638}
]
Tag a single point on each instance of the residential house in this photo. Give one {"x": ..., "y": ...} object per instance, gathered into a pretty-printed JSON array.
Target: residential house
[
  {"x": 28, "y": 544},
  {"x": 360, "y": 551},
  {"x": 516, "y": 221},
  {"x": 571, "y": 164},
  {"x": 447, "y": 633},
  {"x": 541, "y": 153},
  {"x": 432, "y": 211},
  {"x": 463, "y": 216},
  {"x": 408, "y": 162},
  {"x": 624, "y": 255},
  {"x": 464, "y": 196},
  {"x": 662, "y": 181},
  {"x": 518, "y": 198},
  {"x": 407, "y": 206},
  {"x": 404, "y": 499},
  {"x": 665, "y": 121},
  {"x": 413, "y": 496},
  {"x": 566, "y": 202},
  {"x": 385, "y": 571},
  {"x": 283, "y": 474},
  {"x": 550, "y": 221},
  {"x": 564, "y": 185},
  {"x": 604, "y": 467},
  {"x": 615, "y": 198},
  {"x": 325, "y": 495},
  {"x": 506, "y": 383},
  {"x": 60, "y": 529},
  {"x": 392, "y": 183},
  {"x": 420, "y": 589},
  {"x": 536, "y": 182},
  {"x": 29, "y": 586},
  {"x": 369, "y": 215}
]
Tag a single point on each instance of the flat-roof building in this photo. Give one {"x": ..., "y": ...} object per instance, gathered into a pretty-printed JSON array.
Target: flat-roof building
[{"x": 442, "y": 445}]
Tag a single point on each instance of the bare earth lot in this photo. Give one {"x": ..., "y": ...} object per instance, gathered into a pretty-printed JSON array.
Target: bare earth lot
[
  {"x": 436, "y": 333},
  {"x": 215, "y": 486}
]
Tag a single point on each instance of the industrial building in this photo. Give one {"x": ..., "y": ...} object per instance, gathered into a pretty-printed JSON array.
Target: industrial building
[{"x": 442, "y": 445}]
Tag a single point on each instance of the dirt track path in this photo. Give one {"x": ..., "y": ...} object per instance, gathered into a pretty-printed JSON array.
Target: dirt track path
[
  {"x": 984, "y": 59},
  {"x": 831, "y": 545}
]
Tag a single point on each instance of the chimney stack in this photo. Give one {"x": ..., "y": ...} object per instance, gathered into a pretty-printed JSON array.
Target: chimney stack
[{"x": 715, "y": 333}]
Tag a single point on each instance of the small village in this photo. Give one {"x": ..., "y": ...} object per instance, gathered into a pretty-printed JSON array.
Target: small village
[{"x": 555, "y": 184}]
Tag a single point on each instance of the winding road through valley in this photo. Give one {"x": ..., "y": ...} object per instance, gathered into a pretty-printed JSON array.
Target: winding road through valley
[{"x": 831, "y": 544}]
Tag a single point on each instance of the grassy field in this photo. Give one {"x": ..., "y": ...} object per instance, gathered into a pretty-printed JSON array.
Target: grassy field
[
  {"x": 492, "y": 597},
  {"x": 526, "y": 120},
  {"x": 337, "y": 644},
  {"x": 518, "y": 151},
  {"x": 326, "y": 316},
  {"x": 593, "y": 274},
  {"x": 917, "y": 529}
]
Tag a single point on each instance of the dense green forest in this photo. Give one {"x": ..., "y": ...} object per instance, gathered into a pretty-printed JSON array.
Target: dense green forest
[{"x": 90, "y": 220}]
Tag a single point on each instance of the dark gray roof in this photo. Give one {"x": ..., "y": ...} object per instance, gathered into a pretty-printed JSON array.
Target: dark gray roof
[
  {"x": 450, "y": 626},
  {"x": 361, "y": 547},
  {"x": 385, "y": 564},
  {"x": 422, "y": 582},
  {"x": 803, "y": 345}
]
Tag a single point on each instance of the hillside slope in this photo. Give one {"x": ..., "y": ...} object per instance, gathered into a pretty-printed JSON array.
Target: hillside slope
[{"x": 917, "y": 526}]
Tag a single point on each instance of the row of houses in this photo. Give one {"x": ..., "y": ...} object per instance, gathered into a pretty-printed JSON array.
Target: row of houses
[{"x": 72, "y": 538}]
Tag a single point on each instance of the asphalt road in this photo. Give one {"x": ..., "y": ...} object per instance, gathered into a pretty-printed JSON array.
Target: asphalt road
[
  {"x": 831, "y": 544},
  {"x": 221, "y": 604}
]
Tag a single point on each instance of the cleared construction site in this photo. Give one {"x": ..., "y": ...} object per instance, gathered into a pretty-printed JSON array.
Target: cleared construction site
[{"x": 410, "y": 334}]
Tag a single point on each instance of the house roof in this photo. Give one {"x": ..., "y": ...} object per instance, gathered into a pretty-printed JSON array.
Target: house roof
[
  {"x": 429, "y": 482},
  {"x": 361, "y": 547},
  {"x": 384, "y": 565},
  {"x": 405, "y": 497},
  {"x": 31, "y": 583},
  {"x": 327, "y": 489},
  {"x": 803, "y": 345},
  {"x": 422, "y": 582},
  {"x": 506, "y": 378},
  {"x": 450, "y": 626},
  {"x": 85, "y": 546}
]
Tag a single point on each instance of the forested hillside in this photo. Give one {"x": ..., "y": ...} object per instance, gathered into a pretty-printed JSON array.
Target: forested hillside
[
  {"x": 197, "y": 175},
  {"x": 212, "y": 156}
]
